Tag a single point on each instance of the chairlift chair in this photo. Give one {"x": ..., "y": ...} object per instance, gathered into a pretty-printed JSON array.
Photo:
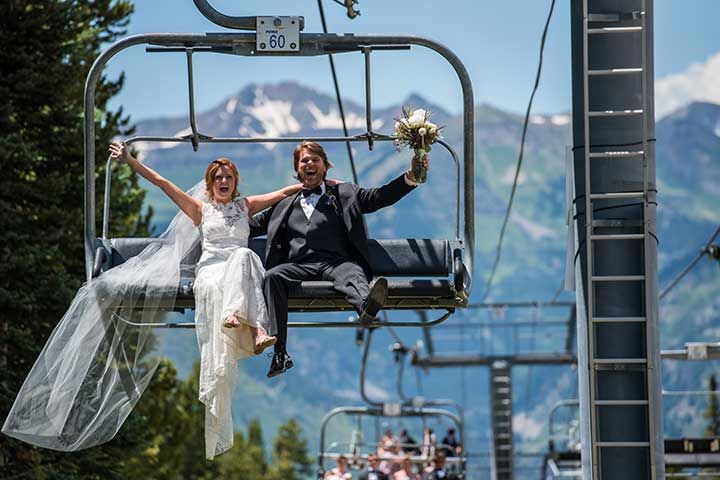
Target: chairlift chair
[
  {"x": 360, "y": 452},
  {"x": 424, "y": 273}
]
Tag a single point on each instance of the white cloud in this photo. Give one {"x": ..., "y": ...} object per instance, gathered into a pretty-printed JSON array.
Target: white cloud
[
  {"x": 698, "y": 83},
  {"x": 509, "y": 176},
  {"x": 525, "y": 426},
  {"x": 535, "y": 230}
]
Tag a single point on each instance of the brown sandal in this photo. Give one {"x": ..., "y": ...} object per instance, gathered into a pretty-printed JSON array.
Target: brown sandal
[{"x": 263, "y": 341}]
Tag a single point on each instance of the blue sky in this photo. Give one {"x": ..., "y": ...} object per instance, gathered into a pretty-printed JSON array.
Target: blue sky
[{"x": 497, "y": 41}]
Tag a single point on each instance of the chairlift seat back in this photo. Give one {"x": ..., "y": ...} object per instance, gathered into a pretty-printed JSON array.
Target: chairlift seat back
[{"x": 422, "y": 273}]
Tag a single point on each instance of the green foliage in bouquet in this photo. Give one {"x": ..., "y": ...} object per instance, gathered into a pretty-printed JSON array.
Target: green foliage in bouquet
[{"x": 416, "y": 131}]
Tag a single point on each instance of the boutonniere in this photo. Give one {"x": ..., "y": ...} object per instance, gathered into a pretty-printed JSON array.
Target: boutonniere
[{"x": 331, "y": 200}]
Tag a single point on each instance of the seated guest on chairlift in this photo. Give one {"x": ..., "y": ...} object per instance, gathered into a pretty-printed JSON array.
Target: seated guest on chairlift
[
  {"x": 408, "y": 443},
  {"x": 450, "y": 445},
  {"x": 373, "y": 471},
  {"x": 406, "y": 471},
  {"x": 340, "y": 472}
]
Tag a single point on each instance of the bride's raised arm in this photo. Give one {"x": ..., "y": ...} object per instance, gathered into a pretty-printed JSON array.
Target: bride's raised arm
[{"x": 192, "y": 207}]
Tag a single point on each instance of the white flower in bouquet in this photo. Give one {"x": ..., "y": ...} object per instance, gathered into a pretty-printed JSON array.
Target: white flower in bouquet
[
  {"x": 418, "y": 117},
  {"x": 415, "y": 131}
]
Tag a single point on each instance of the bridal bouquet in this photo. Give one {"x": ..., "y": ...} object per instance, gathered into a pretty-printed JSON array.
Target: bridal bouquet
[{"x": 417, "y": 132}]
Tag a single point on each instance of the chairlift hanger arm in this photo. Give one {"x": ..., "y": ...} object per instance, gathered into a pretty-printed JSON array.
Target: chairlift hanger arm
[{"x": 237, "y": 23}]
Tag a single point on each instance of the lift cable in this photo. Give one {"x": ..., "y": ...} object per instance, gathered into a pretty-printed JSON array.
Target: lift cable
[
  {"x": 488, "y": 285},
  {"x": 559, "y": 291},
  {"x": 692, "y": 264},
  {"x": 339, "y": 98}
]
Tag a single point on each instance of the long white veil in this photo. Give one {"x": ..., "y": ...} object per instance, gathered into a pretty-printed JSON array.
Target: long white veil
[{"x": 95, "y": 366}]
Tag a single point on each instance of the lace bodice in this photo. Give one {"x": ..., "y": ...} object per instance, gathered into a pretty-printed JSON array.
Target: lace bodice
[{"x": 223, "y": 229}]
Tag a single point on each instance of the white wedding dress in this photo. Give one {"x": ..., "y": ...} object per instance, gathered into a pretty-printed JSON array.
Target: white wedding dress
[
  {"x": 96, "y": 364},
  {"x": 228, "y": 280}
]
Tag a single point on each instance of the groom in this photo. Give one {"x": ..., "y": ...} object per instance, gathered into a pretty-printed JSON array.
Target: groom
[{"x": 319, "y": 234}]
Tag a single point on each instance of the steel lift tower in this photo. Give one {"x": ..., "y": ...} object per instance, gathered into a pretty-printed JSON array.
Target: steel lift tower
[{"x": 616, "y": 265}]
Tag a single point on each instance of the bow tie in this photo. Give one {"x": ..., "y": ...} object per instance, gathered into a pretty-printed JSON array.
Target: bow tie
[{"x": 309, "y": 191}]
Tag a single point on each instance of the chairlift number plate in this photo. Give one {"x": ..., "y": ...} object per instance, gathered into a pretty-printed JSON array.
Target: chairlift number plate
[{"x": 277, "y": 34}]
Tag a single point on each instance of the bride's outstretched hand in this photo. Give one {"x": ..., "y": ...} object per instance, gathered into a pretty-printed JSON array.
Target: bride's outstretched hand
[
  {"x": 120, "y": 152},
  {"x": 333, "y": 182}
]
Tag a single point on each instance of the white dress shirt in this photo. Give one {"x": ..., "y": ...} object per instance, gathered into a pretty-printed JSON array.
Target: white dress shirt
[{"x": 309, "y": 203}]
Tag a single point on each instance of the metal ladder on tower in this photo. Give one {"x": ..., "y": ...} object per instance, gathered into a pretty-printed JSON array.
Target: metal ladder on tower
[
  {"x": 501, "y": 411},
  {"x": 602, "y": 406}
]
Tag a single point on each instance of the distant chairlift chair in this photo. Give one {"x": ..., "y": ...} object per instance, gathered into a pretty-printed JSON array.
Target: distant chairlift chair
[
  {"x": 425, "y": 273},
  {"x": 359, "y": 452}
]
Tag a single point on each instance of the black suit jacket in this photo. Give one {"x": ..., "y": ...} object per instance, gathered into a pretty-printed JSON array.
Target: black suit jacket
[
  {"x": 379, "y": 475},
  {"x": 351, "y": 202}
]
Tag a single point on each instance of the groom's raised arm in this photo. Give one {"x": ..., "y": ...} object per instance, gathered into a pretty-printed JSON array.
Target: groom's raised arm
[{"x": 372, "y": 199}]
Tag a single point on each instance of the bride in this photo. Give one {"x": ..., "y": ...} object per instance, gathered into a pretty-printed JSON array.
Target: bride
[
  {"x": 93, "y": 368},
  {"x": 227, "y": 286}
]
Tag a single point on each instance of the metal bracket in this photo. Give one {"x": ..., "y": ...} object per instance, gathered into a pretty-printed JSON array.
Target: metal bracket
[
  {"x": 350, "y": 5},
  {"x": 227, "y": 21}
]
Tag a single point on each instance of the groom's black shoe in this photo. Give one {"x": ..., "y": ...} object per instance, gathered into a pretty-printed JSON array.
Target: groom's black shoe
[
  {"x": 281, "y": 362},
  {"x": 375, "y": 300}
]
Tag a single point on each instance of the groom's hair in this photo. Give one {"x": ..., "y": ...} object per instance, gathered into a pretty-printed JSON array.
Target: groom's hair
[{"x": 312, "y": 147}]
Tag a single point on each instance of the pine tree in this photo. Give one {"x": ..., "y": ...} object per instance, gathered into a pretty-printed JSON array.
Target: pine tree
[
  {"x": 192, "y": 449},
  {"x": 256, "y": 446},
  {"x": 290, "y": 454},
  {"x": 48, "y": 47},
  {"x": 245, "y": 460}
]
